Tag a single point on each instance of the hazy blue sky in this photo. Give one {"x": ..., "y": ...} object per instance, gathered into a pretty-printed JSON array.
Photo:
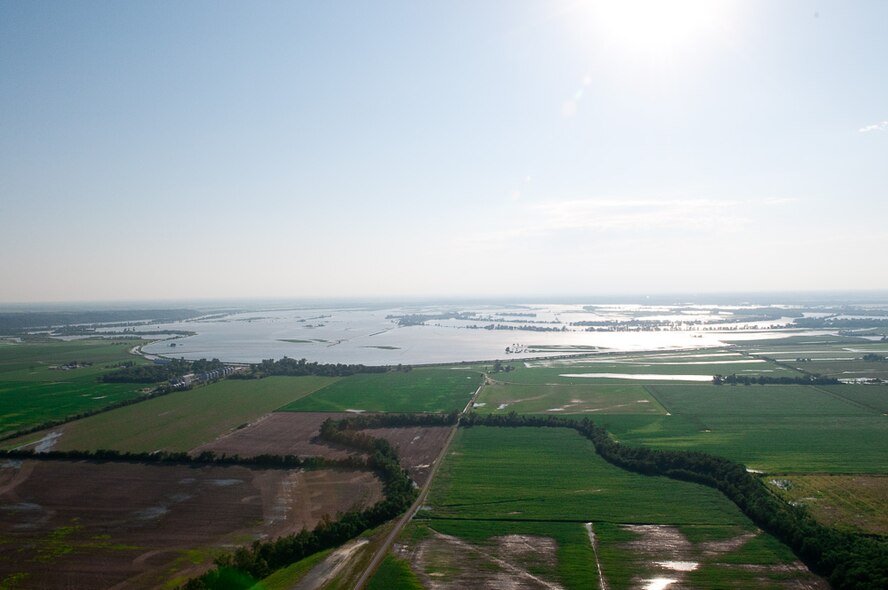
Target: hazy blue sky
[{"x": 221, "y": 149}]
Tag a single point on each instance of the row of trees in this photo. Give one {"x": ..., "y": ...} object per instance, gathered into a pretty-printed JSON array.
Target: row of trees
[
  {"x": 848, "y": 560},
  {"x": 734, "y": 379},
  {"x": 300, "y": 368},
  {"x": 175, "y": 368}
]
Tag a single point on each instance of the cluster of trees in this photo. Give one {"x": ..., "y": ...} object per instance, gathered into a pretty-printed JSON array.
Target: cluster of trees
[
  {"x": 133, "y": 373},
  {"x": 734, "y": 379},
  {"x": 873, "y": 357},
  {"x": 848, "y": 560},
  {"x": 241, "y": 569},
  {"x": 300, "y": 368}
]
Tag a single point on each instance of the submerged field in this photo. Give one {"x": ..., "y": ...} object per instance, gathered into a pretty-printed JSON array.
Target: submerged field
[
  {"x": 43, "y": 381},
  {"x": 419, "y": 390}
]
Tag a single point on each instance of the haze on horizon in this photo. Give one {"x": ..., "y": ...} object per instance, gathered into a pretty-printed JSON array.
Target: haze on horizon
[{"x": 277, "y": 149}]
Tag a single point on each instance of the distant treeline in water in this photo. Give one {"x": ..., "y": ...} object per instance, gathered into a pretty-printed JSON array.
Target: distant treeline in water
[{"x": 17, "y": 322}]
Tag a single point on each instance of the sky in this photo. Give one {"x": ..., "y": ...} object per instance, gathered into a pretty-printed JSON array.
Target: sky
[{"x": 176, "y": 150}]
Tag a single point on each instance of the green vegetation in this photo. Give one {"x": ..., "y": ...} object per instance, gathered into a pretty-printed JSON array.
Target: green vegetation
[
  {"x": 52, "y": 380},
  {"x": 624, "y": 398},
  {"x": 394, "y": 573},
  {"x": 420, "y": 390},
  {"x": 183, "y": 420},
  {"x": 769, "y": 400},
  {"x": 874, "y": 397},
  {"x": 286, "y": 578},
  {"x": 847, "y": 502},
  {"x": 549, "y": 482}
]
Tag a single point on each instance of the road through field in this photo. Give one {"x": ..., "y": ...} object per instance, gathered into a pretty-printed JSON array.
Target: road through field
[{"x": 383, "y": 548}]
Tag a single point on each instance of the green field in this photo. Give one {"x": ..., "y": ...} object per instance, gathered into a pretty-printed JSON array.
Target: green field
[
  {"x": 490, "y": 474},
  {"x": 419, "y": 390},
  {"x": 624, "y": 398},
  {"x": 841, "y": 444},
  {"x": 542, "y": 485},
  {"x": 874, "y": 397},
  {"x": 706, "y": 400},
  {"x": 34, "y": 389},
  {"x": 182, "y": 420}
]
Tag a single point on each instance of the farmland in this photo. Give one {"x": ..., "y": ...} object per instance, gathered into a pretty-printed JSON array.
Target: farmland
[
  {"x": 536, "y": 507},
  {"x": 145, "y": 526},
  {"x": 853, "y": 502},
  {"x": 420, "y": 390},
  {"x": 52, "y": 380},
  {"x": 513, "y": 504},
  {"x": 184, "y": 419},
  {"x": 571, "y": 399}
]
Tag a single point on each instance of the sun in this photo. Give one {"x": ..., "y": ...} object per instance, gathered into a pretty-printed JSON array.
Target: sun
[{"x": 658, "y": 26}]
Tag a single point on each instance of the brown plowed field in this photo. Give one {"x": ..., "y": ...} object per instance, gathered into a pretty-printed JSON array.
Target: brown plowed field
[
  {"x": 418, "y": 447},
  {"x": 283, "y": 433},
  {"x": 295, "y": 433},
  {"x": 90, "y": 525}
]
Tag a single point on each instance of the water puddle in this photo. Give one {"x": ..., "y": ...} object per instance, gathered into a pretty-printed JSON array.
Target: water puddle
[
  {"x": 658, "y": 583},
  {"x": 640, "y": 376}
]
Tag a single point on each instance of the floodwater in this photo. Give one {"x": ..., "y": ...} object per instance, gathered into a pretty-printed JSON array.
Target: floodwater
[{"x": 366, "y": 335}]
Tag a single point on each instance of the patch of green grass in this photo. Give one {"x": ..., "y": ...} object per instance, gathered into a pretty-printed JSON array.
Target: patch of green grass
[
  {"x": 286, "y": 578},
  {"x": 182, "y": 420},
  {"x": 394, "y": 574},
  {"x": 419, "y": 390},
  {"x": 34, "y": 389},
  {"x": 591, "y": 399}
]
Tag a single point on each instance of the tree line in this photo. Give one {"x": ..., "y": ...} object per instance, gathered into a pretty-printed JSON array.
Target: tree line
[
  {"x": 301, "y": 368},
  {"x": 734, "y": 379},
  {"x": 849, "y": 561}
]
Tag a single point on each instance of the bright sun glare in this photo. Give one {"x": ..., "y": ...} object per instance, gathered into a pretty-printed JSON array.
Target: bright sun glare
[{"x": 657, "y": 26}]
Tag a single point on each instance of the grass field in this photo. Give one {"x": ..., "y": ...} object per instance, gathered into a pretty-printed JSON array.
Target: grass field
[
  {"x": 707, "y": 400},
  {"x": 34, "y": 389},
  {"x": 419, "y": 390},
  {"x": 515, "y": 502},
  {"x": 874, "y": 397},
  {"x": 490, "y": 474},
  {"x": 841, "y": 444},
  {"x": 623, "y": 398},
  {"x": 849, "y": 502},
  {"x": 185, "y": 419}
]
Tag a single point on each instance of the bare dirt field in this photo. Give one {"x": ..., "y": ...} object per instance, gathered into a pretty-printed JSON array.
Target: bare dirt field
[
  {"x": 119, "y": 525},
  {"x": 282, "y": 433},
  {"x": 418, "y": 447},
  {"x": 295, "y": 433}
]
